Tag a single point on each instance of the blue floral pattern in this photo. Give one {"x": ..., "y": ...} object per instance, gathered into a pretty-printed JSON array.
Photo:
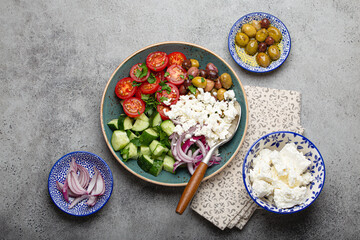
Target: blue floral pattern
[
  {"x": 276, "y": 141},
  {"x": 239, "y": 55},
  {"x": 59, "y": 172}
]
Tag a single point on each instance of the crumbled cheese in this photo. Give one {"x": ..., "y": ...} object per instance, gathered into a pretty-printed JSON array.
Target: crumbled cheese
[
  {"x": 281, "y": 176},
  {"x": 213, "y": 118}
]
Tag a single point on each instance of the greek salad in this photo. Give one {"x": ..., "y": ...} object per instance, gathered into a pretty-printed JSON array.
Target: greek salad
[{"x": 174, "y": 111}]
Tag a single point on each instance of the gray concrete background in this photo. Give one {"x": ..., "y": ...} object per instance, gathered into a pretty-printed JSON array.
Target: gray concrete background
[{"x": 57, "y": 56}]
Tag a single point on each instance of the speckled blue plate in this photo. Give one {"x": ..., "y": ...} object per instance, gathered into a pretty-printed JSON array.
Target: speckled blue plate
[
  {"x": 89, "y": 161},
  {"x": 276, "y": 141},
  {"x": 111, "y": 108},
  {"x": 249, "y": 62}
]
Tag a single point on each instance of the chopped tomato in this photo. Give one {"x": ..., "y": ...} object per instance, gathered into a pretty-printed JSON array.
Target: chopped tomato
[
  {"x": 157, "y": 61},
  {"x": 149, "y": 88},
  {"x": 161, "y": 109},
  {"x": 160, "y": 75},
  {"x": 124, "y": 88},
  {"x": 175, "y": 74},
  {"x": 176, "y": 58},
  {"x": 134, "y": 107},
  {"x": 138, "y": 92},
  {"x": 168, "y": 94},
  {"x": 139, "y": 72}
]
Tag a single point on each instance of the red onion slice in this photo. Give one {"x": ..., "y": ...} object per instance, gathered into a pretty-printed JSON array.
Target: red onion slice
[
  {"x": 93, "y": 181},
  {"x": 60, "y": 187},
  {"x": 77, "y": 200},
  {"x": 91, "y": 201},
  {"x": 99, "y": 188},
  {"x": 74, "y": 184},
  {"x": 84, "y": 176}
]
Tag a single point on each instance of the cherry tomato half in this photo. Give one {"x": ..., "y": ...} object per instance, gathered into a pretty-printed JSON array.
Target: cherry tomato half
[
  {"x": 161, "y": 109},
  {"x": 157, "y": 61},
  {"x": 149, "y": 88},
  {"x": 168, "y": 98},
  {"x": 160, "y": 75},
  {"x": 134, "y": 107},
  {"x": 175, "y": 74},
  {"x": 139, "y": 72},
  {"x": 176, "y": 58},
  {"x": 138, "y": 92},
  {"x": 124, "y": 88}
]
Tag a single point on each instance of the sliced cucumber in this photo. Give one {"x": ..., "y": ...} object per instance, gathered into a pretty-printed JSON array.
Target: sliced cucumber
[
  {"x": 143, "y": 117},
  {"x": 119, "y": 140},
  {"x": 169, "y": 164},
  {"x": 131, "y": 135},
  {"x": 145, "y": 150},
  {"x": 159, "y": 150},
  {"x": 140, "y": 125},
  {"x": 148, "y": 136},
  {"x": 130, "y": 151},
  {"x": 145, "y": 162},
  {"x": 169, "y": 153},
  {"x": 168, "y": 127},
  {"x": 125, "y": 122},
  {"x": 156, "y": 167},
  {"x": 153, "y": 145},
  {"x": 156, "y": 120},
  {"x": 113, "y": 124}
]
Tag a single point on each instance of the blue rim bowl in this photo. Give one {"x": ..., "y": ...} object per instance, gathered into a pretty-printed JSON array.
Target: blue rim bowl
[
  {"x": 59, "y": 172},
  {"x": 276, "y": 141},
  {"x": 248, "y": 62}
]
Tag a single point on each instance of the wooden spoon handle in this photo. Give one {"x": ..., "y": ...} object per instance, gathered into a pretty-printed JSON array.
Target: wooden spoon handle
[{"x": 191, "y": 187}]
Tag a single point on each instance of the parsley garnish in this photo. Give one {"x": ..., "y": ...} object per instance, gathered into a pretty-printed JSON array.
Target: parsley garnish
[
  {"x": 202, "y": 80},
  {"x": 139, "y": 113},
  {"x": 136, "y": 84},
  {"x": 182, "y": 76},
  {"x": 125, "y": 154},
  {"x": 165, "y": 87},
  {"x": 136, "y": 142},
  {"x": 143, "y": 72},
  {"x": 150, "y": 101},
  {"x": 151, "y": 78},
  {"x": 191, "y": 77},
  {"x": 163, "y": 99},
  {"x": 192, "y": 89},
  {"x": 166, "y": 74}
]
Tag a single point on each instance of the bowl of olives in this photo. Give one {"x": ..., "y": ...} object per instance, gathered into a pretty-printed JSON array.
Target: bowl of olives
[{"x": 259, "y": 42}]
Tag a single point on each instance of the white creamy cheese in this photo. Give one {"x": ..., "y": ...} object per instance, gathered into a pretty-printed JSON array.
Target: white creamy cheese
[
  {"x": 281, "y": 176},
  {"x": 213, "y": 118}
]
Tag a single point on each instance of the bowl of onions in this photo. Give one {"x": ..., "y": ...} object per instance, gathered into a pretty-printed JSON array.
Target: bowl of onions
[{"x": 80, "y": 183}]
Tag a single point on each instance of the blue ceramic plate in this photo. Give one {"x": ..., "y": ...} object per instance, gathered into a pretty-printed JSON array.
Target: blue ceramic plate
[
  {"x": 111, "y": 108},
  {"x": 276, "y": 141},
  {"x": 89, "y": 161},
  {"x": 249, "y": 62}
]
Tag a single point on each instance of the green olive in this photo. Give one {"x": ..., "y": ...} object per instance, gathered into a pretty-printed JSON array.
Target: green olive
[
  {"x": 256, "y": 25},
  {"x": 261, "y": 35},
  {"x": 241, "y": 39},
  {"x": 199, "y": 82},
  {"x": 194, "y": 63},
  {"x": 274, "y": 33},
  {"x": 226, "y": 80},
  {"x": 220, "y": 94},
  {"x": 263, "y": 59},
  {"x": 252, "y": 47},
  {"x": 249, "y": 30},
  {"x": 274, "y": 52}
]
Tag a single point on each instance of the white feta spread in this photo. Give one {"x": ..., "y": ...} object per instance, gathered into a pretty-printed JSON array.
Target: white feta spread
[
  {"x": 281, "y": 176},
  {"x": 212, "y": 118}
]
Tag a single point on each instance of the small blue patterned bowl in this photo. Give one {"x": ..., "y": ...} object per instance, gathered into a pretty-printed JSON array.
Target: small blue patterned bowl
[
  {"x": 276, "y": 141},
  {"x": 249, "y": 62},
  {"x": 89, "y": 161}
]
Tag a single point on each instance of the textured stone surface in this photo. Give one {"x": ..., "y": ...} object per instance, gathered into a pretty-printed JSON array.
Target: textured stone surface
[{"x": 56, "y": 57}]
